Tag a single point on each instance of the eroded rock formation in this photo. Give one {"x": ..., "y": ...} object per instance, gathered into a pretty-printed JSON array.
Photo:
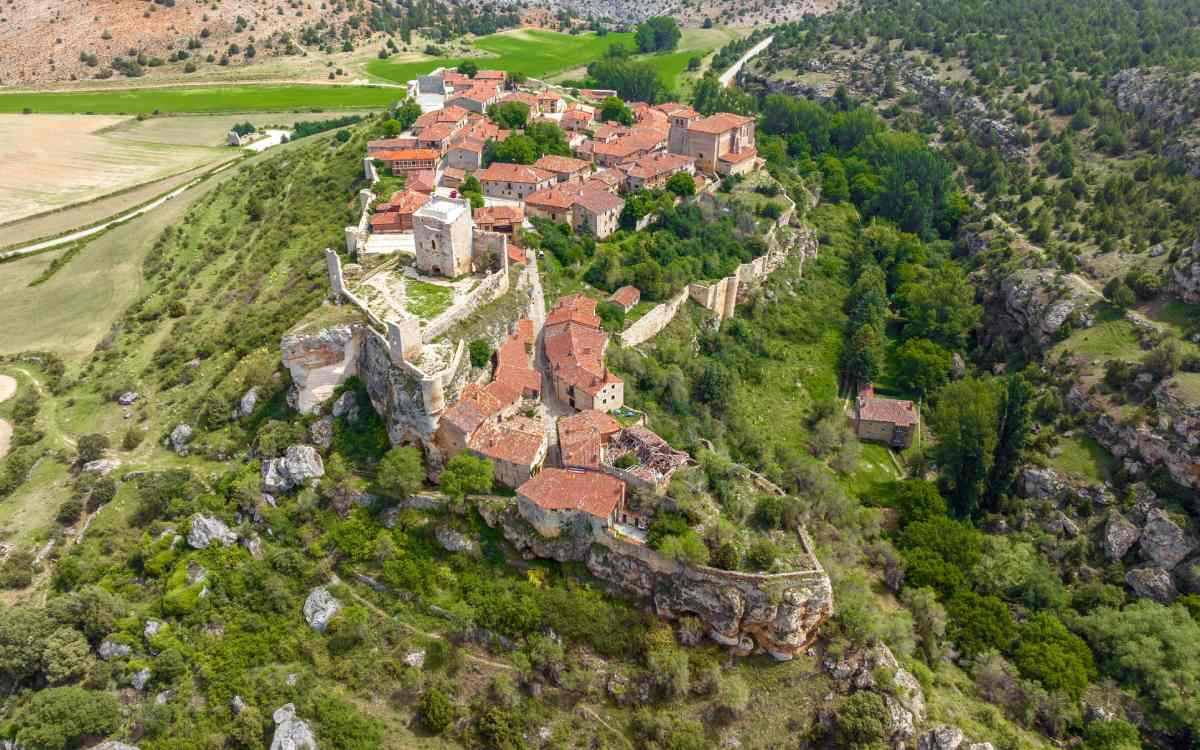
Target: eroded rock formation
[{"x": 779, "y": 614}]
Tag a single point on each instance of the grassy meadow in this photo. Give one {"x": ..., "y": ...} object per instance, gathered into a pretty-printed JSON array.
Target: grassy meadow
[{"x": 198, "y": 99}]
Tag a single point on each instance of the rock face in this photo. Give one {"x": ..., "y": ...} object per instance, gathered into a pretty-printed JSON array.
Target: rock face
[
  {"x": 1152, "y": 583},
  {"x": 300, "y": 464},
  {"x": 456, "y": 541},
  {"x": 291, "y": 733},
  {"x": 207, "y": 530},
  {"x": 247, "y": 403},
  {"x": 949, "y": 738},
  {"x": 1185, "y": 274},
  {"x": 1034, "y": 305},
  {"x": 101, "y": 466},
  {"x": 346, "y": 407},
  {"x": 1163, "y": 542},
  {"x": 319, "y": 608},
  {"x": 1166, "y": 101},
  {"x": 180, "y": 437},
  {"x": 905, "y": 701},
  {"x": 109, "y": 650},
  {"x": 127, "y": 398},
  {"x": 779, "y": 614},
  {"x": 1119, "y": 536},
  {"x": 321, "y": 432},
  {"x": 320, "y": 361}
]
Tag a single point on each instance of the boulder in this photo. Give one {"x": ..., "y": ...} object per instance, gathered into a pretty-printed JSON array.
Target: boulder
[
  {"x": 319, "y": 608},
  {"x": 151, "y": 628},
  {"x": 206, "y": 530},
  {"x": 1119, "y": 536},
  {"x": 180, "y": 437},
  {"x": 127, "y": 398},
  {"x": 237, "y": 705},
  {"x": 1163, "y": 542},
  {"x": 1185, "y": 274},
  {"x": 949, "y": 738},
  {"x": 253, "y": 545},
  {"x": 321, "y": 432},
  {"x": 114, "y": 745},
  {"x": 455, "y": 541},
  {"x": 1037, "y": 483},
  {"x": 101, "y": 466},
  {"x": 109, "y": 650},
  {"x": 247, "y": 403},
  {"x": 195, "y": 572},
  {"x": 958, "y": 367},
  {"x": 1060, "y": 525},
  {"x": 300, "y": 464},
  {"x": 140, "y": 678},
  {"x": 415, "y": 659},
  {"x": 1152, "y": 583},
  {"x": 291, "y": 733},
  {"x": 346, "y": 406}
]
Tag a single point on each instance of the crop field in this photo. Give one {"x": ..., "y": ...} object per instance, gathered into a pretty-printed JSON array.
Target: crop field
[
  {"x": 534, "y": 52},
  {"x": 198, "y": 99},
  {"x": 59, "y": 160}
]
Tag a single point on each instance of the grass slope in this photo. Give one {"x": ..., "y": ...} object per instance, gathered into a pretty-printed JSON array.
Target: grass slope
[
  {"x": 245, "y": 98},
  {"x": 534, "y": 52}
]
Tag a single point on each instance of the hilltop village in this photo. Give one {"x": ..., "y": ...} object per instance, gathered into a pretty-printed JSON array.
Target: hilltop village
[{"x": 443, "y": 241}]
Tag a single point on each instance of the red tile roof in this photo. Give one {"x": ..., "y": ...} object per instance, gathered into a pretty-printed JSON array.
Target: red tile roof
[
  {"x": 559, "y": 196},
  {"x": 407, "y": 201},
  {"x": 473, "y": 408},
  {"x": 422, "y": 180},
  {"x": 503, "y": 172},
  {"x": 576, "y": 308},
  {"x": 719, "y": 123},
  {"x": 894, "y": 411},
  {"x": 627, "y": 296},
  {"x": 654, "y": 165},
  {"x": 735, "y": 157},
  {"x": 581, "y": 436},
  {"x": 597, "y": 201},
  {"x": 572, "y": 489},
  {"x": 516, "y": 440},
  {"x": 561, "y": 164},
  {"x": 390, "y": 144},
  {"x": 499, "y": 214}
]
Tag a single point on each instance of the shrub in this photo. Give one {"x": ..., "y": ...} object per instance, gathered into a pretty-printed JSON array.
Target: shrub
[
  {"x": 481, "y": 353},
  {"x": 63, "y": 717},
  {"x": 435, "y": 710},
  {"x": 861, "y": 721}
]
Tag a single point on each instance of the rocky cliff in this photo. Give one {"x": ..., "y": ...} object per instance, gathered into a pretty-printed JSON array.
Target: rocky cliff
[
  {"x": 1035, "y": 307},
  {"x": 1168, "y": 102},
  {"x": 779, "y": 614},
  {"x": 1185, "y": 274}
]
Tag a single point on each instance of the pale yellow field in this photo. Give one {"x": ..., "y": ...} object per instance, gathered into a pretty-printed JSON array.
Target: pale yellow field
[{"x": 52, "y": 161}]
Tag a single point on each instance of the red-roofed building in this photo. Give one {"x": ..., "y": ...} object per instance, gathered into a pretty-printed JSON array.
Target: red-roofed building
[
  {"x": 720, "y": 143},
  {"x": 455, "y": 117},
  {"x": 452, "y": 177},
  {"x": 478, "y": 98},
  {"x": 626, "y": 297},
  {"x": 503, "y": 219},
  {"x": 422, "y": 181},
  {"x": 597, "y": 212},
  {"x": 575, "y": 120},
  {"x": 466, "y": 153},
  {"x": 565, "y": 168},
  {"x": 396, "y": 214},
  {"x": 556, "y": 499},
  {"x": 409, "y": 159},
  {"x": 549, "y": 102},
  {"x": 516, "y": 447},
  {"x": 885, "y": 420},
  {"x": 583, "y": 436},
  {"x": 575, "y": 345},
  {"x": 501, "y": 180},
  {"x": 460, "y": 421},
  {"x": 627, "y": 148},
  {"x": 390, "y": 144},
  {"x": 652, "y": 171},
  {"x": 552, "y": 203}
]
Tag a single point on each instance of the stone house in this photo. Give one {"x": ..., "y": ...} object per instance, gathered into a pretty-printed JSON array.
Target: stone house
[
  {"x": 574, "y": 345},
  {"x": 477, "y": 98},
  {"x": 597, "y": 212},
  {"x": 652, "y": 172},
  {"x": 396, "y": 214},
  {"x": 503, "y": 219},
  {"x": 474, "y": 407},
  {"x": 626, "y": 148},
  {"x": 454, "y": 117},
  {"x": 721, "y": 144},
  {"x": 576, "y": 120},
  {"x": 553, "y": 203},
  {"x": 443, "y": 236},
  {"x": 583, "y": 437},
  {"x": 626, "y": 297},
  {"x": 549, "y": 103},
  {"x": 558, "y": 499},
  {"x": 408, "y": 159},
  {"x": 514, "y": 181},
  {"x": 652, "y": 460},
  {"x": 465, "y": 153},
  {"x": 389, "y": 144},
  {"x": 515, "y": 446},
  {"x": 885, "y": 420},
  {"x": 437, "y": 137}
]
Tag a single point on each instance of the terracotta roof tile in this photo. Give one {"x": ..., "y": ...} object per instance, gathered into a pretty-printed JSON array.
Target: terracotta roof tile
[
  {"x": 572, "y": 489},
  {"x": 516, "y": 440},
  {"x": 719, "y": 123},
  {"x": 894, "y": 411},
  {"x": 503, "y": 172},
  {"x": 627, "y": 296},
  {"x": 561, "y": 164}
]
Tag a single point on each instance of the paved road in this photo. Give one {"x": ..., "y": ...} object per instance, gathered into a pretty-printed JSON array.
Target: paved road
[{"x": 727, "y": 77}]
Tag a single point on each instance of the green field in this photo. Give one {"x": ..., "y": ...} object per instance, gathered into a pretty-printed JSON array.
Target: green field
[
  {"x": 247, "y": 98},
  {"x": 534, "y": 52}
]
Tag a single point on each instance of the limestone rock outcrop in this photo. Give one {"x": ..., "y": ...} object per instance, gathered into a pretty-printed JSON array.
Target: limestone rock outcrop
[
  {"x": 247, "y": 403},
  {"x": 1163, "y": 542},
  {"x": 114, "y": 745},
  {"x": 319, "y": 608},
  {"x": 949, "y": 738},
  {"x": 1185, "y": 274},
  {"x": 1167, "y": 101},
  {"x": 108, "y": 650},
  {"x": 180, "y": 437},
  {"x": 1119, "y": 536},
  {"x": 455, "y": 541},
  {"x": 779, "y": 614},
  {"x": 294, "y": 469},
  {"x": 207, "y": 530},
  {"x": 291, "y": 733},
  {"x": 320, "y": 361},
  {"x": 1036, "y": 303},
  {"x": 1152, "y": 583}
]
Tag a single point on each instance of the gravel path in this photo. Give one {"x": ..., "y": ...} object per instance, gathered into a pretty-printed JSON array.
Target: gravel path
[{"x": 8, "y": 386}]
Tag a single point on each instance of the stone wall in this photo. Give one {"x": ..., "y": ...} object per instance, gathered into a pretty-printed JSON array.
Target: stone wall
[
  {"x": 649, "y": 325},
  {"x": 779, "y": 614},
  {"x": 488, "y": 290}
]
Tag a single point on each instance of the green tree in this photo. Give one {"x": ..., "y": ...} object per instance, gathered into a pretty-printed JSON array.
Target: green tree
[
  {"x": 921, "y": 365},
  {"x": 400, "y": 472},
  {"x": 511, "y": 114},
  {"x": 436, "y": 710},
  {"x": 940, "y": 307},
  {"x": 681, "y": 184},
  {"x": 657, "y": 34},
  {"x": 466, "y": 474},
  {"x": 22, "y": 634},
  {"x": 964, "y": 420},
  {"x": 686, "y": 548},
  {"x": 612, "y": 109},
  {"x": 481, "y": 352},
  {"x": 1015, "y": 417},
  {"x": 978, "y": 624},
  {"x": 468, "y": 68},
  {"x": 1047, "y": 652},
  {"x": 834, "y": 188},
  {"x": 407, "y": 113},
  {"x": 67, "y": 655},
  {"x": 1111, "y": 734},
  {"x": 861, "y": 722},
  {"x": 929, "y": 621},
  {"x": 862, "y": 358},
  {"x": 62, "y": 717},
  {"x": 517, "y": 149},
  {"x": 916, "y": 500},
  {"x": 90, "y": 448}
]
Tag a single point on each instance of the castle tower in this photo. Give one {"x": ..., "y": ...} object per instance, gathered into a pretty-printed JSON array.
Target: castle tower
[{"x": 442, "y": 230}]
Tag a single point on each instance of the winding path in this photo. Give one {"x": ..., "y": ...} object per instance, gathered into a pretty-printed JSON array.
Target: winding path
[
  {"x": 727, "y": 77},
  {"x": 8, "y": 386}
]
